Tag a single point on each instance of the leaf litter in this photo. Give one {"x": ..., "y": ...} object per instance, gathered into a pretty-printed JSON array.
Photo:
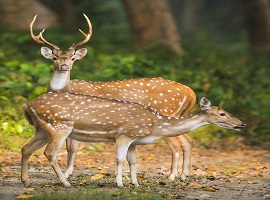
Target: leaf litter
[{"x": 215, "y": 174}]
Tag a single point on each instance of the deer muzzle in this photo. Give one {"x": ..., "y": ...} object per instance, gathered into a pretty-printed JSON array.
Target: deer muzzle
[
  {"x": 239, "y": 128},
  {"x": 64, "y": 67}
]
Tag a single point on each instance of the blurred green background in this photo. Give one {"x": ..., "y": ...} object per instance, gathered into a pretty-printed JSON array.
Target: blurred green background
[{"x": 219, "y": 60}]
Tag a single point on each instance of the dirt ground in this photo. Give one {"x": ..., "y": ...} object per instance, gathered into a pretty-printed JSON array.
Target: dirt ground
[{"x": 241, "y": 173}]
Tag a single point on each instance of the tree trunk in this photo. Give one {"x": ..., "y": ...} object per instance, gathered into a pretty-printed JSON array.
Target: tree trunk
[
  {"x": 65, "y": 12},
  {"x": 187, "y": 13},
  {"x": 257, "y": 16},
  {"x": 152, "y": 23},
  {"x": 18, "y": 14}
]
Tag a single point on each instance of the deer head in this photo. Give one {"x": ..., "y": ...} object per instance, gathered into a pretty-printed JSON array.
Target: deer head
[
  {"x": 62, "y": 60},
  {"x": 218, "y": 116}
]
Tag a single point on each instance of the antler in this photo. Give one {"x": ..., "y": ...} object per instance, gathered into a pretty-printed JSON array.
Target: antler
[
  {"x": 87, "y": 36},
  {"x": 39, "y": 38}
]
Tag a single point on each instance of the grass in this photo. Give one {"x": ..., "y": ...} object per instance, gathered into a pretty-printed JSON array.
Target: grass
[
  {"x": 150, "y": 188},
  {"x": 97, "y": 194}
]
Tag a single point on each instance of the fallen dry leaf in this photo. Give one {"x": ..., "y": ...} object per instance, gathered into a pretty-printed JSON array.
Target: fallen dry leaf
[
  {"x": 5, "y": 169},
  {"x": 210, "y": 189},
  {"x": 142, "y": 191},
  {"x": 83, "y": 181},
  {"x": 194, "y": 186},
  {"x": 224, "y": 154},
  {"x": 148, "y": 158},
  {"x": 200, "y": 172},
  {"x": 85, "y": 162},
  {"x": 25, "y": 196},
  {"x": 31, "y": 189},
  {"x": 97, "y": 176},
  {"x": 103, "y": 171},
  {"x": 162, "y": 183},
  {"x": 242, "y": 168},
  {"x": 260, "y": 167},
  {"x": 252, "y": 182},
  {"x": 58, "y": 189}
]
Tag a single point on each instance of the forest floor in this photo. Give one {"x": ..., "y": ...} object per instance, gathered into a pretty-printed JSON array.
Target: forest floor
[{"x": 238, "y": 173}]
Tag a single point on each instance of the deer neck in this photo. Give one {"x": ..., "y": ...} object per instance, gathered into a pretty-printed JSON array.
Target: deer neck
[
  {"x": 59, "y": 81},
  {"x": 178, "y": 126}
]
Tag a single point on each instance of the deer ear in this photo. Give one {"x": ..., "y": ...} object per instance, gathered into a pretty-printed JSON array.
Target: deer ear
[
  {"x": 46, "y": 52},
  {"x": 205, "y": 104},
  {"x": 79, "y": 54}
]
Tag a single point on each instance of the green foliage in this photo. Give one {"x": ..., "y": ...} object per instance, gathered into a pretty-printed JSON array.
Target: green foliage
[
  {"x": 117, "y": 67},
  {"x": 21, "y": 79},
  {"x": 226, "y": 73},
  {"x": 238, "y": 81}
]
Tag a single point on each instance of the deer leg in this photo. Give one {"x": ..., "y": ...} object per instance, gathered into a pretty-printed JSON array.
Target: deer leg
[
  {"x": 72, "y": 148},
  {"x": 56, "y": 140},
  {"x": 186, "y": 144},
  {"x": 38, "y": 141},
  {"x": 122, "y": 146},
  {"x": 175, "y": 147},
  {"x": 131, "y": 158}
]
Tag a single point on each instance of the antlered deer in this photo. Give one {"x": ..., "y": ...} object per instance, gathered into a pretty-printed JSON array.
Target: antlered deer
[
  {"x": 58, "y": 115},
  {"x": 166, "y": 96}
]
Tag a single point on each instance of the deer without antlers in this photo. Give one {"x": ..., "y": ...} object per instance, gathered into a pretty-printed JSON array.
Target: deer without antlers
[
  {"x": 160, "y": 94},
  {"x": 57, "y": 116}
]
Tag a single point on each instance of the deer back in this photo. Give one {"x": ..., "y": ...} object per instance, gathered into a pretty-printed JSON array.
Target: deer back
[
  {"x": 92, "y": 116},
  {"x": 167, "y": 97}
]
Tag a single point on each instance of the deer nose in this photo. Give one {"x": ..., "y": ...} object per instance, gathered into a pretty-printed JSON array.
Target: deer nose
[
  {"x": 64, "y": 67},
  {"x": 243, "y": 125}
]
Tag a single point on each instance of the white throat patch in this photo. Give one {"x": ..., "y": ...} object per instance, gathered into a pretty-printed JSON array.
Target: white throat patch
[{"x": 59, "y": 80}]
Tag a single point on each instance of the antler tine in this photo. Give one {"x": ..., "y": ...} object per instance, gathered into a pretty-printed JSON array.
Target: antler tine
[
  {"x": 87, "y": 36},
  {"x": 39, "y": 38}
]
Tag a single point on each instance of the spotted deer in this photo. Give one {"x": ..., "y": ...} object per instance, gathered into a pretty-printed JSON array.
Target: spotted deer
[
  {"x": 58, "y": 115},
  {"x": 167, "y": 97}
]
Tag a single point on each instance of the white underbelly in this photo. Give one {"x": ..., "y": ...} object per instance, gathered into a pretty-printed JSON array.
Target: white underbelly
[
  {"x": 92, "y": 136},
  {"x": 146, "y": 140},
  {"x": 103, "y": 136}
]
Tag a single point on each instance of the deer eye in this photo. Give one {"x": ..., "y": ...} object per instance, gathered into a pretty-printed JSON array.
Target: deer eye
[
  {"x": 222, "y": 114},
  {"x": 55, "y": 58},
  {"x": 73, "y": 59}
]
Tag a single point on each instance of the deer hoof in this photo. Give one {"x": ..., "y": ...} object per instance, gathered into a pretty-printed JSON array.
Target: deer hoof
[
  {"x": 67, "y": 184},
  {"x": 26, "y": 183},
  {"x": 172, "y": 177},
  {"x": 183, "y": 176},
  {"x": 136, "y": 184}
]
